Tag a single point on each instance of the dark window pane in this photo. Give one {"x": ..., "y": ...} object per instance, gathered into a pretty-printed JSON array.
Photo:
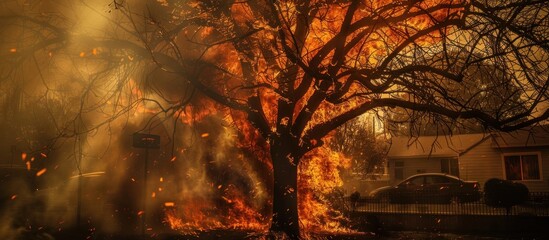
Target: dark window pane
[
  {"x": 530, "y": 167},
  {"x": 429, "y": 180},
  {"x": 449, "y": 166},
  {"x": 454, "y": 167},
  {"x": 440, "y": 179},
  {"x": 444, "y": 166},
  {"x": 417, "y": 181},
  {"x": 512, "y": 168}
]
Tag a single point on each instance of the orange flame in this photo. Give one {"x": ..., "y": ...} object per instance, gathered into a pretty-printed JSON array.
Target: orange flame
[
  {"x": 317, "y": 179},
  {"x": 318, "y": 171},
  {"x": 204, "y": 215}
]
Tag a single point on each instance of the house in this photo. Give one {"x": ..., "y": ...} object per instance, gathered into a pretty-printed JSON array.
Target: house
[{"x": 521, "y": 156}]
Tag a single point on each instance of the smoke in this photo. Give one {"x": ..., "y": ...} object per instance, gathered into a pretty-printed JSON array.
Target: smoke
[
  {"x": 72, "y": 108},
  {"x": 199, "y": 175}
]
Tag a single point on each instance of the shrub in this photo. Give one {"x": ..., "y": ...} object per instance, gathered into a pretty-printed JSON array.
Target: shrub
[{"x": 504, "y": 193}]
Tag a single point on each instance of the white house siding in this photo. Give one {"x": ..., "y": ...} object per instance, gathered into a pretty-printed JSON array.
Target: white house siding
[
  {"x": 481, "y": 163},
  {"x": 485, "y": 162}
]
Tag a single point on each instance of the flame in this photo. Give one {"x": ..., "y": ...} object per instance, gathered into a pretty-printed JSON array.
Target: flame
[
  {"x": 318, "y": 171},
  {"x": 317, "y": 179},
  {"x": 204, "y": 216},
  {"x": 388, "y": 34},
  {"x": 222, "y": 205}
]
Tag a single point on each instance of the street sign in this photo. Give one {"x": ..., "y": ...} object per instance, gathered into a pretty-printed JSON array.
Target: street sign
[{"x": 143, "y": 140}]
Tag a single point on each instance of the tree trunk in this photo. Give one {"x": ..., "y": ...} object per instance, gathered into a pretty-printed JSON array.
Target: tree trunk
[{"x": 285, "y": 215}]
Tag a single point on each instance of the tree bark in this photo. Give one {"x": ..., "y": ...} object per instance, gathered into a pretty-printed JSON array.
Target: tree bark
[{"x": 285, "y": 214}]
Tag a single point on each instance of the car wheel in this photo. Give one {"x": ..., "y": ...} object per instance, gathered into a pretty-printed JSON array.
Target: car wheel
[{"x": 455, "y": 200}]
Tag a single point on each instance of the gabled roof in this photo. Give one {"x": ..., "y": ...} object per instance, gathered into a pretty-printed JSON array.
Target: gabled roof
[
  {"x": 533, "y": 137},
  {"x": 434, "y": 146}
]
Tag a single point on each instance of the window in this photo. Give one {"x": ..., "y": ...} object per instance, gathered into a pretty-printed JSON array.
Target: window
[
  {"x": 416, "y": 181},
  {"x": 436, "y": 180},
  {"x": 449, "y": 166},
  {"x": 399, "y": 170},
  {"x": 522, "y": 166}
]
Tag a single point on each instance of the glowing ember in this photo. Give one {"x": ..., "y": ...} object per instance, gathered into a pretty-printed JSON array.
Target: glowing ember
[{"x": 41, "y": 172}]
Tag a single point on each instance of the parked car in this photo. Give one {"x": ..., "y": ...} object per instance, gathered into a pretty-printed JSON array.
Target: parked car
[{"x": 429, "y": 188}]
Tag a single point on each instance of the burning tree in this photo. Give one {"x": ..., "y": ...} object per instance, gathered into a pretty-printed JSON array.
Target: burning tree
[{"x": 287, "y": 73}]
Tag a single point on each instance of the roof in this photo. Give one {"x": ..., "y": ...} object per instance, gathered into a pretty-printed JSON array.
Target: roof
[
  {"x": 433, "y": 146},
  {"x": 533, "y": 137}
]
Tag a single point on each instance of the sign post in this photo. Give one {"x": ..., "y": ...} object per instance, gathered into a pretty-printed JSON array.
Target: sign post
[{"x": 146, "y": 141}]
